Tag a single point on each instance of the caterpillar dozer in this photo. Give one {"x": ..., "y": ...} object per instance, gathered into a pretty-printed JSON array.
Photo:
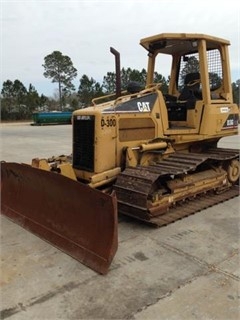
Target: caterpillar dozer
[{"x": 142, "y": 152}]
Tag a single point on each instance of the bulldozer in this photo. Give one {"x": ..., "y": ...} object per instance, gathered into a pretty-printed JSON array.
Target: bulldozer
[{"x": 142, "y": 152}]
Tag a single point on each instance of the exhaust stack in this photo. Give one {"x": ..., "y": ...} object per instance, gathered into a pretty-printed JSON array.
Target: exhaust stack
[{"x": 118, "y": 71}]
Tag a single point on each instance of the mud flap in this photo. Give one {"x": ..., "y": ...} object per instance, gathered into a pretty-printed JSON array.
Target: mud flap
[{"x": 75, "y": 218}]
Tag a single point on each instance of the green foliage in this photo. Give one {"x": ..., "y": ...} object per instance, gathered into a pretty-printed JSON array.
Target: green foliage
[
  {"x": 215, "y": 80},
  {"x": 14, "y": 99},
  {"x": 42, "y": 100},
  {"x": 7, "y": 98},
  {"x": 191, "y": 65},
  {"x": 18, "y": 103},
  {"x": 109, "y": 83},
  {"x": 236, "y": 92},
  {"x": 60, "y": 69},
  {"x": 74, "y": 103},
  {"x": 158, "y": 78},
  {"x": 129, "y": 75},
  {"x": 33, "y": 99},
  {"x": 88, "y": 90}
]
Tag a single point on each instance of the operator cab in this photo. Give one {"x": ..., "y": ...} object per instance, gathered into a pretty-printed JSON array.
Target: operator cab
[{"x": 199, "y": 75}]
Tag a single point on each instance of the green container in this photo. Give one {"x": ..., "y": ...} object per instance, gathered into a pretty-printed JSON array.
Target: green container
[{"x": 55, "y": 117}]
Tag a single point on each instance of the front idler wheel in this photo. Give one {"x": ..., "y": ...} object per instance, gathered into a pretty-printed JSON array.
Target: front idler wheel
[{"x": 233, "y": 171}]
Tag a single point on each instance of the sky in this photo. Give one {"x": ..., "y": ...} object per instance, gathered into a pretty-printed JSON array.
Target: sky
[{"x": 85, "y": 31}]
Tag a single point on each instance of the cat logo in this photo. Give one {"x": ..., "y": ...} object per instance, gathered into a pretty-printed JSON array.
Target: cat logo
[{"x": 143, "y": 106}]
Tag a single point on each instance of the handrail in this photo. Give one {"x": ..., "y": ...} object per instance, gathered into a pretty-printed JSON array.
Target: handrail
[
  {"x": 95, "y": 100},
  {"x": 150, "y": 88}
]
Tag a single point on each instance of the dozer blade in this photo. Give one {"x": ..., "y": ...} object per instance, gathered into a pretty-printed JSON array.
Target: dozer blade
[{"x": 75, "y": 218}]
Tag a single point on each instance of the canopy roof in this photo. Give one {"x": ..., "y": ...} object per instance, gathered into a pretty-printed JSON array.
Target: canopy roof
[{"x": 171, "y": 43}]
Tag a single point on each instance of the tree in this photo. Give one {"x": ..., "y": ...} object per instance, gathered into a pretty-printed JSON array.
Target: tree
[
  {"x": 60, "y": 69},
  {"x": 132, "y": 75},
  {"x": 88, "y": 90},
  {"x": 7, "y": 96},
  {"x": 19, "y": 92},
  {"x": 33, "y": 99},
  {"x": 74, "y": 103},
  {"x": 215, "y": 80},
  {"x": 236, "y": 92},
  {"x": 158, "y": 78},
  {"x": 109, "y": 82},
  {"x": 42, "y": 100},
  {"x": 191, "y": 65},
  {"x": 128, "y": 75},
  {"x": 13, "y": 104}
]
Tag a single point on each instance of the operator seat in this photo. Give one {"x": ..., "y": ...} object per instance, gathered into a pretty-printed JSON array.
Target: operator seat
[
  {"x": 191, "y": 93},
  {"x": 178, "y": 107}
]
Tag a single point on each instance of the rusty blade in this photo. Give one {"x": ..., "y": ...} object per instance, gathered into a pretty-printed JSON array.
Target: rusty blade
[{"x": 75, "y": 218}]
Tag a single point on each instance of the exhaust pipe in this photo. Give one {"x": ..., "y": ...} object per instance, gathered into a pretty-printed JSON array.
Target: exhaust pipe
[{"x": 118, "y": 71}]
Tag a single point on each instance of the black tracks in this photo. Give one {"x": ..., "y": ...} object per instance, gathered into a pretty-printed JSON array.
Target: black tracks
[
  {"x": 191, "y": 206},
  {"x": 135, "y": 185}
]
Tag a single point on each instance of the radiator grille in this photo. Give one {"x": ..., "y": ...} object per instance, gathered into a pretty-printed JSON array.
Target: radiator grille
[{"x": 83, "y": 142}]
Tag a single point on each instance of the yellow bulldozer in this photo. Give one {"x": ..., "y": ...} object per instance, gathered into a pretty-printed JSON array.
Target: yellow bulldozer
[{"x": 141, "y": 152}]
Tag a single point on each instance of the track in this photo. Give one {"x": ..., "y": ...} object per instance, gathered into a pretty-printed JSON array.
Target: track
[
  {"x": 191, "y": 206},
  {"x": 138, "y": 188}
]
